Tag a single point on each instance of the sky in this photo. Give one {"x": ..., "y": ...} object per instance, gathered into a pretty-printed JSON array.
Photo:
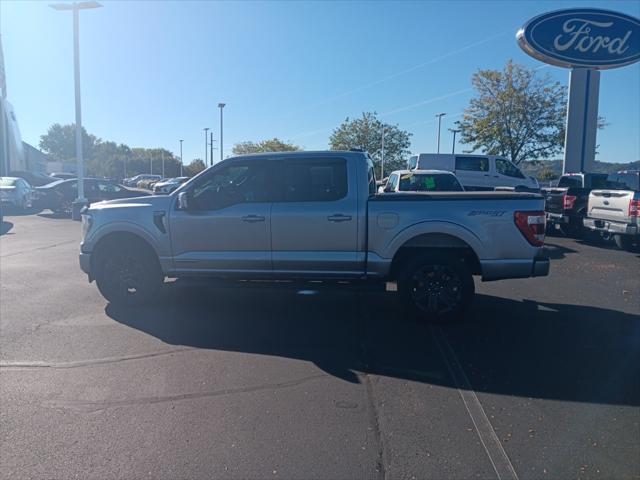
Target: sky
[{"x": 153, "y": 72}]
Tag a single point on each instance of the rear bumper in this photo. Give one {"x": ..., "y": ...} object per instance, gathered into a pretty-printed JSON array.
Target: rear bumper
[
  {"x": 611, "y": 226},
  {"x": 504, "y": 269}
]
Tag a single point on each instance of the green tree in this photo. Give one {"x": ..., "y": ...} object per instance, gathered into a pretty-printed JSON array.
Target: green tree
[
  {"x": 60, "y": 142},
  {"x": 273, "y": 145},
  {"x": 366, "y": 133},
  {"x": 516, "y": 113},
  {"x": 546, "y": 175},
  {"x": 195, "y": 167}
]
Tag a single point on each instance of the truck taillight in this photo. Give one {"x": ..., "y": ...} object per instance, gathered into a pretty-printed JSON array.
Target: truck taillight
[
  {"x": 532, "y": 225},
  {"x": 568, "y": 202},
  {"x": 634, "y": 208}
]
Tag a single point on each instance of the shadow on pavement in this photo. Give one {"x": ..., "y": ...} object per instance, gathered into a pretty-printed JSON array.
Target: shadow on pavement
[
  {"x": 56, "y": 215},
  {"x": 5, "y": 227},
  {"x": 556, "y": 252},
  {"x": 16, "y": 212},
  {"x": 522, "y": 348}
]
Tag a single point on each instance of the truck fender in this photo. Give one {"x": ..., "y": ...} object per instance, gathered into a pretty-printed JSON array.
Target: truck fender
[
  {"x": 433, "y": 227},
  {"x": 124, "y": 227}
]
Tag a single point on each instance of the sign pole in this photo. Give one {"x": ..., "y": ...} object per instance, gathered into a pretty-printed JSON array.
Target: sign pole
[{"x": 582, "y": 120}]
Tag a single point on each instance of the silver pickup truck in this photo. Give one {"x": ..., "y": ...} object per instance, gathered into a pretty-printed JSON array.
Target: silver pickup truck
[{"x": 314, "y": 215}]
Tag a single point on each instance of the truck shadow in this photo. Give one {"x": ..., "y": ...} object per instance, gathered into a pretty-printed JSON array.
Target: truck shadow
[{"x": 507, "y": 347}]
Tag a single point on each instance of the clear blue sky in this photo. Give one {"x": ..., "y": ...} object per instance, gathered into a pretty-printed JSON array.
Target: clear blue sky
[{"x": 154, "y": 72}]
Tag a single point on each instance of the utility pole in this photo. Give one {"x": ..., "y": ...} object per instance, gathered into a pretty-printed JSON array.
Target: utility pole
[
  {"x": 453, "y": 148},
  {"x": 211, "y": 147},
  {"x": 163, "y": 164},
  {"x": 206, "y": 144},
  {"x": 181, "y": 164},
  {"x": 382, "y": 157},
  {"x": 75, "y": 7},
  {"x": 439, "y": 116},
  {"x": 221, "y": 106}
]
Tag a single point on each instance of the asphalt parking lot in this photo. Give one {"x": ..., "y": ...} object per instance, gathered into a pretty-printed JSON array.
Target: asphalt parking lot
[{"x": 252, "y": 381}]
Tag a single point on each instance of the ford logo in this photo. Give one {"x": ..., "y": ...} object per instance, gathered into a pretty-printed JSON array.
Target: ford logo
[{"x": 582, "y": 37}]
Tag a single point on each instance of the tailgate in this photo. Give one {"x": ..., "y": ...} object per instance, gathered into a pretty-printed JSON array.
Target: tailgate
[
  {"x": 610, "y": 205},
  {"x": 554, "y": 200}
]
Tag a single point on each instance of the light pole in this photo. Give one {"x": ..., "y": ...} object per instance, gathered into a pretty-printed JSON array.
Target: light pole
[
  {"x": 206, "y": 144},
  {"x": 76, "y": 7},
  {"x": 221, "y": 106},
  {"x": 181, "y": 174},
  {"x": 382, "y": 157},
  {"x": 211, "y": 147},
  {"x": 453, "y": 148},
  {"x": 439, "y": 115},
  {"x": 162, "y": 164}
]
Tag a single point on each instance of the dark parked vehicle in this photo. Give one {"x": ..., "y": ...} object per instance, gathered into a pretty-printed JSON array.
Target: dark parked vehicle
[
  {"x": 59, "y": 196},
  {"x": 566, "y": 205},
  {"x": 34, "y": 179},
  {"x": 62, "y": 175}
]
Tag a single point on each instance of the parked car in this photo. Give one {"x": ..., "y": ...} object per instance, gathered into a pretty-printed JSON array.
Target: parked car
[
  {"x": 169, "y": 185},
  {"x": 314, "y": 215},
  {"x": 16, "y": 192},
  {"x": 34, "y": 179},
  {"x": 422, "y": 181},
  {"x": 615, "y": 210},
  {"x": 566, "y": 205},
  {"x": 62, "y": 175},
  {"x": 476, "y": 172},
  {"x": 133, "y": 181},
  {"x": 147, "y": 183},
  {"x": 59, "y": 196}
]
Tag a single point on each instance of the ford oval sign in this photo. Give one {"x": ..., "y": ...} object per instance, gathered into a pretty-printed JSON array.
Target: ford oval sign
[{"x": 582, "y": 37}]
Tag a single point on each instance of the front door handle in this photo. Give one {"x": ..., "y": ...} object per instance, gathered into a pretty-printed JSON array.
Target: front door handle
[
  {"x": 339, "y": 217},
  {"x": 253, "y": 218}
]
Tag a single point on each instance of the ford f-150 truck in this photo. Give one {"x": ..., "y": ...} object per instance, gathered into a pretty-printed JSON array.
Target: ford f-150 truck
[
  {"x": 314, "y": 215},
  {"x": 566, "y": 205}
]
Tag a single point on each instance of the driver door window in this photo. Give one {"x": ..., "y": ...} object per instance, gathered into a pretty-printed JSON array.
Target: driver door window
[
  {"x": 231, "y": 186},
  {"x": 505, "y": 167}
]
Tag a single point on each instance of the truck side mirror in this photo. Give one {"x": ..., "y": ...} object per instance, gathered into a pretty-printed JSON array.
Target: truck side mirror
[{"x": 183, "y": 201}]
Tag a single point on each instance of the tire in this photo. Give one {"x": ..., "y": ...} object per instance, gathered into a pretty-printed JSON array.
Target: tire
[
  {"x": 436, "y": 287},
  {"x": 627, "y": 242},
  {"x": 572, "y": 230},
  {"x": 127, "y": 275}
]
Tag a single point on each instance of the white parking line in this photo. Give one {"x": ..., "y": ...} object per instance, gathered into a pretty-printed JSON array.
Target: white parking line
[{"x": 490, "y": 441}]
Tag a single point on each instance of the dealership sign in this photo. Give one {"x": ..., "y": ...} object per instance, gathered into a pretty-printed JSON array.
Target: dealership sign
[{"x": 582, "y": 37}]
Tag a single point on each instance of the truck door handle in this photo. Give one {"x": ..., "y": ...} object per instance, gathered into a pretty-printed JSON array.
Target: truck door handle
[
  {"x": 253, "y": 218},
  {"x": 339, "y": 217}
]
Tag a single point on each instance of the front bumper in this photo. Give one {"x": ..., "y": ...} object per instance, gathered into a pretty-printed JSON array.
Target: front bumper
[
  {"x": 611, "y": 226},
  {"x": 85, "y": 263}
]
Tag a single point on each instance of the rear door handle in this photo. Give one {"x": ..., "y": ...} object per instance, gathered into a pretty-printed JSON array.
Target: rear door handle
[
  {"x": 253, "y": 218},
  {"x": 339, "y": 217}
]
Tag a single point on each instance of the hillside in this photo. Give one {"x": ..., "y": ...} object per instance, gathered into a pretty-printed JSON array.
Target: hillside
[{"x": 534, "y": 168}]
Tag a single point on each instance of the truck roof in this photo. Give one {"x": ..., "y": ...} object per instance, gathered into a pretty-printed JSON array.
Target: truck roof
[{"x": 301, "y": 154}]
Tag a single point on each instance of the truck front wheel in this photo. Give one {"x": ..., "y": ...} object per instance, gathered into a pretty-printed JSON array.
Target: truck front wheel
[
  {"x": 127, "y": 275},
  {"x": 437, "y": 287}
]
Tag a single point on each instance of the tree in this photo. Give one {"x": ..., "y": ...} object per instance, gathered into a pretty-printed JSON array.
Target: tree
[
  {"x": 195, "y": 167},
  {"x": 546, "y": 175},
  {"x": 516, "y": 114},
  {"x": 60, "y": 142},
  {"x": 366, "y": 133},
  {"x": 273, "y": 145}
]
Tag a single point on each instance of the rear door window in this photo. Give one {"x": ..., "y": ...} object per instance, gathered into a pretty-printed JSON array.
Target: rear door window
[
  {"x": 568, "y": 181},
  {"x": 472, "y": 164},
  {"x": 317, "y": 180}
]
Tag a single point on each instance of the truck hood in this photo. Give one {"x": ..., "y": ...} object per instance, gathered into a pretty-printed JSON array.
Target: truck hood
[{"x": 148, "y": 202}]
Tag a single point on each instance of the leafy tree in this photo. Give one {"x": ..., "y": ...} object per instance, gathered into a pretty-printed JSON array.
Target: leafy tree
[
  {"x": 366, "y": 133},
  {"x": 517, "y": 114},
  {"x": 546, "y": 175},
  {"x": 273, "y": 145},
  {"x": 60, "y": 142},
  {"x": 195, "y": 167}
]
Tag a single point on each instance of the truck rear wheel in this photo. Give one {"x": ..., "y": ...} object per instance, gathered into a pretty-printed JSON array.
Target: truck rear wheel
[
  {"x": 436, "y": 287},
  {"x": 127, "y": 275}
]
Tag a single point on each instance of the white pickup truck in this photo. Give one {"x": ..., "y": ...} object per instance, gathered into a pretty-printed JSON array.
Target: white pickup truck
[{"x": 314, "y": 215}]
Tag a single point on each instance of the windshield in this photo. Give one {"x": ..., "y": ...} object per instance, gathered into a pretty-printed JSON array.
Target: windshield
[
  {"x": 420, "y": 182},
  {"x": 7, "y": 182}
]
